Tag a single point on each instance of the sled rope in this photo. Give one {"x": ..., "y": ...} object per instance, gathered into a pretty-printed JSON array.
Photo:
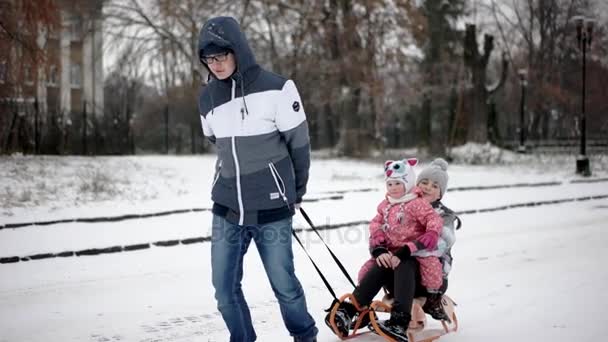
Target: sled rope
[
  {"x": 340, "y": 265},
  {"x": 329, "y": 288}
]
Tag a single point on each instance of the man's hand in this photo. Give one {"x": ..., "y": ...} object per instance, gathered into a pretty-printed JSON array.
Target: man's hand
[{"x": 384, "y": 260}]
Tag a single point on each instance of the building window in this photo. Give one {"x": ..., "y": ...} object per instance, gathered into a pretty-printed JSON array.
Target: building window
[
  {"x": 53, "y": 77},
  {"x": 27, "y": 75},
  {"x": 3, "y": 71},
  {"x": 75, "y": 75}
]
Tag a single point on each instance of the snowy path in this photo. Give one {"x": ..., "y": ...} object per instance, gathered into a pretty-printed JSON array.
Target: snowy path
[
  {"x": 519, "y": 274},
  {"x": 77, "y": 236},
  {"x": 526, "y": 274}
]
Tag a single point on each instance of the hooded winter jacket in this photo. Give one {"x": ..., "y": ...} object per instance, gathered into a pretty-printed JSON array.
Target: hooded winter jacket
[{"x": 257, "y": 122}]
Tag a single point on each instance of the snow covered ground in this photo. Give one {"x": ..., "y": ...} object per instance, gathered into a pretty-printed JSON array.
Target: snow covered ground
[{"x": 526, "y": 274}]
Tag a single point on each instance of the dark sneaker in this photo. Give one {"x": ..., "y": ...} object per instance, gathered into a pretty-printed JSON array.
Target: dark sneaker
[
  {"x": 396, "y": 326},
  {"x": 343, "y": 319},
  {"x": 304, "y": 339},
  {"x": 433, "y": 307}
]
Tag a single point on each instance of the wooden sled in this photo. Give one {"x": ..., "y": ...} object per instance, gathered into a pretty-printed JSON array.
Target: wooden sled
[{"x": 417, "y": 331}]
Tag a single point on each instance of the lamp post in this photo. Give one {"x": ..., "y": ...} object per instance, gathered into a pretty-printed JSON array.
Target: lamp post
[
  {"x": 584, "y": 32},
  {"x": 522, "y": 73}
]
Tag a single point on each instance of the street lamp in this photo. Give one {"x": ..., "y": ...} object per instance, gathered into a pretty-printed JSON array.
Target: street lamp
[
  {"x": 522, "y": 73},
  {"x": 584, "y": 33}
]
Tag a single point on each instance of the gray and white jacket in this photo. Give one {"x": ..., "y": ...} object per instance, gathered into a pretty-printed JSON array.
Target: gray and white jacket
[
  {"x": 451, "y": 223},
  {"x": 257, "y": 122}
]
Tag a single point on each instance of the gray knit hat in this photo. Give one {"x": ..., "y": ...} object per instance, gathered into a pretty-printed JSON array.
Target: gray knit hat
[{"x": 437, "y": 171}]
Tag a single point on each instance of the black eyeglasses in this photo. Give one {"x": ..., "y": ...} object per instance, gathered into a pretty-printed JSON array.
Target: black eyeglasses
[{"x": 215, "y": 58}]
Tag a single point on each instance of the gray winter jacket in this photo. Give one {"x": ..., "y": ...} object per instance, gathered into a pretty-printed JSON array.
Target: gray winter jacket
[
  {"x": 451, "y": 223},
  {"x": 257, "y": 122}
]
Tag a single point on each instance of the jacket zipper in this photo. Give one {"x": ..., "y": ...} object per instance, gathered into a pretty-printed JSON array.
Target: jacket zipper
[
  {"x": 236, "y": 165},
  {"x": 217, "y": 174}
]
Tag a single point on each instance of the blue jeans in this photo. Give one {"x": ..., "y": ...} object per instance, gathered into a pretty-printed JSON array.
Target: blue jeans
[{"x": 229, "y": 244}]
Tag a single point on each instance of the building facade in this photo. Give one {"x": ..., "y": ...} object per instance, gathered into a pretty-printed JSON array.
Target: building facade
[
  {"x": 68, "y": 76},
  {"x": 51, "y": 74}
]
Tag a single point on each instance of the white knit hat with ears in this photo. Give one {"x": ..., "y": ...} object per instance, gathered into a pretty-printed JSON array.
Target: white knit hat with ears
[
  {"x": 401, "y": 171},
  {"x": 437, "y": 171}
]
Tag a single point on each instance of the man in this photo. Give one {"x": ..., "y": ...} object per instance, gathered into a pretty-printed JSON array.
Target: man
[{"x": 256, "y": 120}]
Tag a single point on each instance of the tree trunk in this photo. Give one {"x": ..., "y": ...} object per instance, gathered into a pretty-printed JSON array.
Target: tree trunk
[
  {"x": 349, "y": 49},
  {"x": 424, "y": 127},
  {"x": 477, "y": 129},
  {"x": 350, "y": 143},
  {"x": 10, "y": 133}
]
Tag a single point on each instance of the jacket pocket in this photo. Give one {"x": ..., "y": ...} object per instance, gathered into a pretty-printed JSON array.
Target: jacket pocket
[{"x": 278, "y": 181}]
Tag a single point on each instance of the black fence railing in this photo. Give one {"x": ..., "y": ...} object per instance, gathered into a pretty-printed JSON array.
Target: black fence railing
[
  {"x": 25, "y": 128},
  {"x": 595, "y": 145}
]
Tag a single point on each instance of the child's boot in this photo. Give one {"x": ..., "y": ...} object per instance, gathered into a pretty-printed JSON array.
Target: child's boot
[
  {"x": 433, "y": 307},
  {"x": 396, "y": 326},
  {"x": 343, "y": 319}
]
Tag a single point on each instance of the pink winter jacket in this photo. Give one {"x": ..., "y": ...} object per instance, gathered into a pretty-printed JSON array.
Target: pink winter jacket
[{"x": 406, "y": 223}]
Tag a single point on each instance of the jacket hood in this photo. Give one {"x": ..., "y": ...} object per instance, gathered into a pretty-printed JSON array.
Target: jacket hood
[{"x": 226, "y": 32}]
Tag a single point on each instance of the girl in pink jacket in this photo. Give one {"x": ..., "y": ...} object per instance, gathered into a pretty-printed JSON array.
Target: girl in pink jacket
[
  {"x": 405, "y": 223},
  {"x": 405, "y": 218}
]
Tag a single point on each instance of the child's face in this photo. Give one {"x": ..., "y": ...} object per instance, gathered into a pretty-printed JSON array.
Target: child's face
[
  {"x": 431, "y": 191},
  {"x": 395, "y": 189}
]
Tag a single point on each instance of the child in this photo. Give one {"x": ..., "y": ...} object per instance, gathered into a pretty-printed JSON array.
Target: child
[
  {"x": 384, "y": 227},
  {"x": 433, "y": 182},
  {"x": 404, "y": 224}
]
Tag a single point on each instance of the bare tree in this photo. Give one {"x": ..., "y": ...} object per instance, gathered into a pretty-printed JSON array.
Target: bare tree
[
  {"x": 539, "y": 37},
  {"x": 478, "y": 63},
  {"x": 163, "y": 36},
  {"x": 356, "y": 62},
  {"x": 440, "y": 41}
]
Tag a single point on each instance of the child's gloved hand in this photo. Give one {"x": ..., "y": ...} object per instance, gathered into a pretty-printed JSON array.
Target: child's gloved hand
[{"x": 429, "y": 240}]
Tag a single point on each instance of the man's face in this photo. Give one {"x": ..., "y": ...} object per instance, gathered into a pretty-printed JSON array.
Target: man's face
[
  {"x": 221, "y": 65},
  {"x": 431, "y": 191}
]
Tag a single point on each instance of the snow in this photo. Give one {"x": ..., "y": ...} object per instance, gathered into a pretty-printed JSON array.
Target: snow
[{"x": 524, "y": 274}]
